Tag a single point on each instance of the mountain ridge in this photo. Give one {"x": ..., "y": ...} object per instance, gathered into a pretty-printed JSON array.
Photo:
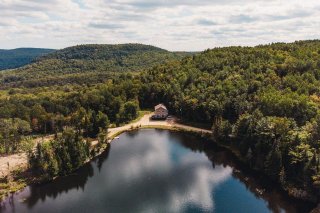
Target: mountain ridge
[
  {"x": 18, "y": 57},
  {"x": 90, "y": 63}
]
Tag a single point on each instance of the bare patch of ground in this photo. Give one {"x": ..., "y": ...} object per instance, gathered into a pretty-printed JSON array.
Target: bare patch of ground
[{"x": 20, "y": 160}]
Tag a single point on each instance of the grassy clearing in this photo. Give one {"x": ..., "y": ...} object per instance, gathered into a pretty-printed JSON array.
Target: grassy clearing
[{"x": 141, "y": 113}]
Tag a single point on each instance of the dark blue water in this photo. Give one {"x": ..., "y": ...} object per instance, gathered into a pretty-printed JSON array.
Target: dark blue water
[{"x": 156, "y": 171}]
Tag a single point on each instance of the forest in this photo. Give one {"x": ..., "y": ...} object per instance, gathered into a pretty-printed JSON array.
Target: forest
[
  {"x": 10, "y": 59},
  {"x": 86, "y": 64},
  {"x": 262, "y": 102}
]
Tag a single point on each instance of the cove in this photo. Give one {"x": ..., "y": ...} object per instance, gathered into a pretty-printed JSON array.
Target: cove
[{"x": 157, "y": 171}]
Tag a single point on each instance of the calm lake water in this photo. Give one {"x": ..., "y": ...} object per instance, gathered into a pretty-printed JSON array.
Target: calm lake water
[{"x": 156, "y": 171}]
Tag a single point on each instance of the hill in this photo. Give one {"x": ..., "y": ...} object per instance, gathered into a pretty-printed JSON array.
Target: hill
[
  {"x": 87, "y": 64},
  {"x": 263, "y": 102},
  {"x": 10, "y": 59}
]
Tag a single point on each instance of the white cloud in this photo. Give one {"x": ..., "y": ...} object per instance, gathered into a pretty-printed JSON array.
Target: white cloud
[
  {"x": 173, "y": 25},
  {"x": 135, "y": 165}
]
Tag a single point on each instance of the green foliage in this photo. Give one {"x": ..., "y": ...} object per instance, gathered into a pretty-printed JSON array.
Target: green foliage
[
  {"x": 301, "y": 153},
  {"x": 10, "y": 59},
  {"x": 266, "y": 96},
  {"x": 60, "y": 156},
  {"x": 11, "y": 134},
  {"x": 221, "y": 129},
  {"x": 89, "y": 110},
  {"x": 87, "y": 64},
  {"x": 273, "y": 163},
  {"x": 287, "y": 104},
  {"x": 128, "y": 112}
]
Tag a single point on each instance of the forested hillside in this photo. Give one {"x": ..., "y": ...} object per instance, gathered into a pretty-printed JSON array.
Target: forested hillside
[
  {"x": 15, "y": 58},
  {"x": 263, "y": 102},
  {"x": 87, "y": 64}
]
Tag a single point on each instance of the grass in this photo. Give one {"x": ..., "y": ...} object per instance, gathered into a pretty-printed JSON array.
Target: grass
[
  {"x": 159, "y": 127},
  {"x": 17, "y": 180},
  {"x": 141, "y": 113},
  {"x": 195, "y": 124}
]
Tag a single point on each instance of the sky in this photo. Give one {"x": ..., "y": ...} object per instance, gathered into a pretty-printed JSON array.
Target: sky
[{"x": 176, "y": 25}]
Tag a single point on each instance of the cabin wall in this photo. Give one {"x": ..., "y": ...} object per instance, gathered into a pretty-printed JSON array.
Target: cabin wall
[{"x": 161, "y": 112}]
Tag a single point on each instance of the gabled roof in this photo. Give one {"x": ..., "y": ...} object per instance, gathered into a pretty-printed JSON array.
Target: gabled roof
[{"x": 160, "y": 106}]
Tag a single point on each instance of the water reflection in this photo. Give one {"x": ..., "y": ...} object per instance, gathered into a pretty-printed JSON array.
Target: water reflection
[
  {"x": 260, "y": 186},
  {"x": 166, "y": 176},
  {"x": 155, "y": 171}
]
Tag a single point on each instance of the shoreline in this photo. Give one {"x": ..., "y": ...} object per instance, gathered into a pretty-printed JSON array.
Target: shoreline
[
  {"x": 20, "y": 177},
  {"x": 114, "y": 132}
]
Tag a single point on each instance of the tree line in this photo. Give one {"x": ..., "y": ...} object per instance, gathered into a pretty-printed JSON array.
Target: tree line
[
  {"x": 86, "y": 64},
  {"x": 261, "y": 101},
  {"x": 85, "y": 109}
]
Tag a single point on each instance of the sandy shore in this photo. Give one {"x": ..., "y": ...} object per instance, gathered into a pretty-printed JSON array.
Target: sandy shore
[{"x": 145, "y": 122}]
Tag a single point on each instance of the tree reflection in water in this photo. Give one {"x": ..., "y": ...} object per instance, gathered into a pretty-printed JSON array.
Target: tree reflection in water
[{"x": 151, "y": 170}]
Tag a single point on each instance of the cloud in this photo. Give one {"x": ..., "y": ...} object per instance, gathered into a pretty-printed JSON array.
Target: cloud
[
  {"x": 105, "y": 25},
  {"x": 6, "y": 22},
  {"x": 158, "y": 4},
  {"x": 182, "y": 177},
  {"x": 206, "y": 22},
  {"x": 242, "y": 19},
  {"x": 203, "y": 23},
  {"x": 155, "y": 4}
]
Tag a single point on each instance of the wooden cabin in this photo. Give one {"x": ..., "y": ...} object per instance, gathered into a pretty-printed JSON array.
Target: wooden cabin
[{"x": 160, "y": 112}]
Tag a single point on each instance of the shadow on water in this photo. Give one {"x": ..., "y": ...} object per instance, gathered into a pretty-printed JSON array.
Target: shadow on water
[
  {"x": 259, "y": 185},
  {"x": 61, "y": 185},
  {"x": 132, "y": 134},
  {"x": 40, "y": 192},
  {"x": 103, "y": 157}
]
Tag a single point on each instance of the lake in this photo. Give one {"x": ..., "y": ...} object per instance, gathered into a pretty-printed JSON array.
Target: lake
[{"x": 157, "y": 171}]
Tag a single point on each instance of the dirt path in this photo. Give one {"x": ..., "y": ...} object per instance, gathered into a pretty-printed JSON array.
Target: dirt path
[
  {"x": 145, "y": 122},
  {"x": 20, "y": 160}
]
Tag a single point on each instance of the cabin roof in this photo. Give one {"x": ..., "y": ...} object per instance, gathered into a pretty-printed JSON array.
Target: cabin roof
[{"x": 160, "y": 106}]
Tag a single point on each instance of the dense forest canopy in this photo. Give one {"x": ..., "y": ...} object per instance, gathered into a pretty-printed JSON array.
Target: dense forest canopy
[
  {"x": 103, "y": 52},
  {"x": 278, "y": 79},
  {"x": 87, "y": 64},
  {"x": 10, "y": 59},
  {"x": 261, "y": 101}
]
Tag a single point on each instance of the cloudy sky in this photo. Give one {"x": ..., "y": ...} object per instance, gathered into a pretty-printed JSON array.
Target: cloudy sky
[{"x": 170, "y": 24}]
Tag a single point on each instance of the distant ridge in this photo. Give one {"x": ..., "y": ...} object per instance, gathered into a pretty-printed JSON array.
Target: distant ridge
[
  {"x": 89, "y": 63},
  {"x": 118, "y": 52},
  {"x": 10, "y": 59},
  {"x": 102, "y": 51}
]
